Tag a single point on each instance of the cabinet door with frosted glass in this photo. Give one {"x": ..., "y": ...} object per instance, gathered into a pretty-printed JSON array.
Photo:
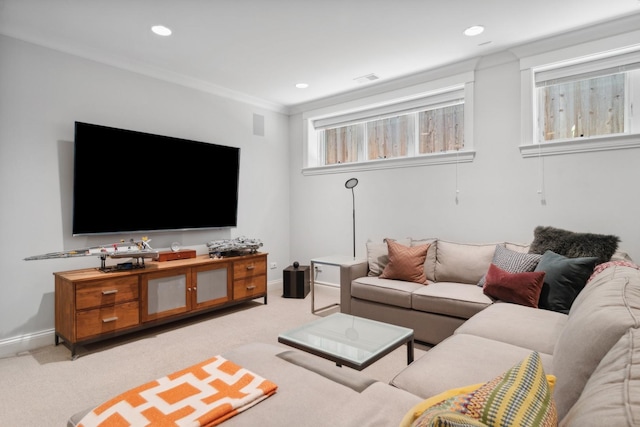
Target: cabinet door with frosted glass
[
  {"x": 210, "y": 285},
  {"x": 165, "y": 294}
]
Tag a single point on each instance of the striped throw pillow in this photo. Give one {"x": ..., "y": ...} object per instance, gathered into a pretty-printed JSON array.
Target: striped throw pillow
[
  {"x": 519, "y": 397},
  {"x": 512, "y": 262}
]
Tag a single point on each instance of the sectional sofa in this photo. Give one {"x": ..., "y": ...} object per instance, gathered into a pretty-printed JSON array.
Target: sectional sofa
[
  {"x": 574, "y": 363},
  {"x": 593, "y": 353}
]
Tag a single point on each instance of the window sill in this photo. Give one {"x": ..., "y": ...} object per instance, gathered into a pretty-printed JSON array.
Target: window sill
[
  {"x": 424, "y": 160},
  {"x": 583, "y": 145}
]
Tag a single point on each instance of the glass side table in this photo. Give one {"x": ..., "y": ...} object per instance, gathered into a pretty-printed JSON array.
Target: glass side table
[{"x": 333, "y": 260}]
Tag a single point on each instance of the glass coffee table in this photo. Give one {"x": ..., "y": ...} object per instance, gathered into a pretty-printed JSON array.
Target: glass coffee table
[{"x": 349, "y": 340}]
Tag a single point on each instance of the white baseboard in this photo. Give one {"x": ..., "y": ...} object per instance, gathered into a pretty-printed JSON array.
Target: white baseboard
[
  {"x": 273, "y": 283},
  {"x": 17, "y": 345}
]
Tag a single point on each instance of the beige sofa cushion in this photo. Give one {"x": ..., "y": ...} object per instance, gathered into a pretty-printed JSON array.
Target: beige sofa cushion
[
  {"x": 515, "y": 324},
  {"x": 459, "y": 361},
  {"x": 430, "y": 261},
  {"x": 611, "y": 397},
  {"x": 603, "y": 311},
  {"x": 450, "y": 299},
  {"x": 517, "y": 247},
  {"x": 462, "y": 262},
  {"x": 299, "y": 388},
  {"x": 385, "y": 291}
]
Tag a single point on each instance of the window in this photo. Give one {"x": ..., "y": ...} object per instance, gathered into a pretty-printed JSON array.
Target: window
[
  {"x": 583, "y": 105},
  {"x": 582, "y": 108},
  {"x": 426, "y": 129},
  {"x": 442, "y": 129},
  {"x": 391, "y": 137},
  {"x": 341, "y": 144},
  {"x": 439, "y": 129}
]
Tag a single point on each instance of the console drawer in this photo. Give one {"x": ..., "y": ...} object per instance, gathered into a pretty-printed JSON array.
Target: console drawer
[
  {"x": 249, "y": 268},
  {"x": 106, "y": 319},
  {"x": 249, "y": 287},
  {"x": 98, "y": 294}
]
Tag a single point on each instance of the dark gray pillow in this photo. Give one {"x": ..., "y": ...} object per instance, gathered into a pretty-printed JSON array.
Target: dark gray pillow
[
  {"x": 564, "y": 278},
  {"x": 573, "y": 245}
]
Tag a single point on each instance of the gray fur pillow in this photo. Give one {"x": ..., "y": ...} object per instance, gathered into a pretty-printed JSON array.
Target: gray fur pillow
[{"x": 574, "y": 245}]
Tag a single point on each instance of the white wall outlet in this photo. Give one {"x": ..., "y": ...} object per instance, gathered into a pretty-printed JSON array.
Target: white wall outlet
[{"x": 273, "y": 265}]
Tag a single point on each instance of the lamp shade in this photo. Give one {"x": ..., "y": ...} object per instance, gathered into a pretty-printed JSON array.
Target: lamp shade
[{"x": 351, "y": 182}]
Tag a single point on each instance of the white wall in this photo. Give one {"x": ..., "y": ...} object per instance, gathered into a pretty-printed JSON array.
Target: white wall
[
  {"x": 42, "y": 93},
  {"x": 498, "y": 200}
]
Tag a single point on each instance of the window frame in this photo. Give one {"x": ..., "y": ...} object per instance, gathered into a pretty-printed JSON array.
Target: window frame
[
  {"x": 578, "y": 59},
  {"x": 403, "y": 100}
]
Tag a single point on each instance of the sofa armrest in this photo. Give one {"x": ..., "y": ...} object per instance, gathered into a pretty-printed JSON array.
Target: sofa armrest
[{"x": 349, "y": 273}]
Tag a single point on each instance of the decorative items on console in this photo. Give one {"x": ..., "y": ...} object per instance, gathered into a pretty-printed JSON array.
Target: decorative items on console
[
  {"x": 139, "y": 250},
  {"x": 231, "y": 247}
]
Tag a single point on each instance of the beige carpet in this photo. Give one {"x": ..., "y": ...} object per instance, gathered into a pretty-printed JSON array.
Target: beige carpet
[{"x": 44, "y": 387}]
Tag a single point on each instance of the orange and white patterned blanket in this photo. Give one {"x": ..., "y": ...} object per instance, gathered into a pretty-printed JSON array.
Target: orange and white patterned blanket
[{"x": 202, "y": 395}]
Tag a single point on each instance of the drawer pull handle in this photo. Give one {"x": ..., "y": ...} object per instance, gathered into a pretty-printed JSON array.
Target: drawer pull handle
[
  {"x": 110, "y": 319},
  {"x": 251, "y": 267},
  {"x": 250, "y": 288},
  {"x": 109, "y": 292}
]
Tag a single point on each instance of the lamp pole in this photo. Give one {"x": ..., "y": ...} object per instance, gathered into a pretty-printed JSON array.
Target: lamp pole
[{"x": 351, "y": 183}]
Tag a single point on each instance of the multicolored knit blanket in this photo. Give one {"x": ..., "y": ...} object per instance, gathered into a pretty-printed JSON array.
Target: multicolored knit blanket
[
  {"x": 205, "y": 394},
  {"x": 605, "y": 265}
]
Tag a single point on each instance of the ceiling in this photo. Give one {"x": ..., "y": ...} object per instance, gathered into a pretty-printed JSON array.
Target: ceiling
[{"x": 259, "y": 49}]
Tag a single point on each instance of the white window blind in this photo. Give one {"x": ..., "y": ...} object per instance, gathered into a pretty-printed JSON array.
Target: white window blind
[
  {"x": 583, "y": 103},
  {"x": 452, "y": 97},
  {"x": 586, "y": 70}
]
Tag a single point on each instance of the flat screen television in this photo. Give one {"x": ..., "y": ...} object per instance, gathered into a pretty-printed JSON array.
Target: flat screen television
[{"x": 126, "y": 181}]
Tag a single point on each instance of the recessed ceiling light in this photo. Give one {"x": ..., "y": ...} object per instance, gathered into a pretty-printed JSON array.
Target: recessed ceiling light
[
  {"x": 161, "y": 30},
  {"x": 302, "y": 85},
  {"x": 474, "y": 30}
]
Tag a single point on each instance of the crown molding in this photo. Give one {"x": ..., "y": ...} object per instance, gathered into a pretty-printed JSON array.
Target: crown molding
[{"x": 151, "y": 71}]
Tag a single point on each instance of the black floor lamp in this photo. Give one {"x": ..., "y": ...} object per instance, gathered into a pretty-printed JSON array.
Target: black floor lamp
[{"x": 351, "y": 183}]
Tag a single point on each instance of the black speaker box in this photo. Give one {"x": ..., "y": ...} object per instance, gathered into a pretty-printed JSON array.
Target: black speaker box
[{"x": 296, "y": 281}]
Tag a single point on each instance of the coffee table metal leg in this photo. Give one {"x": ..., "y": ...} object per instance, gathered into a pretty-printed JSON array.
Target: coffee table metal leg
[{"x": 409, "y": 352}]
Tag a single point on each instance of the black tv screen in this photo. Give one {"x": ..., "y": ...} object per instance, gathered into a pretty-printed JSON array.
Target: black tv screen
[{"x": 128, "y": 181}]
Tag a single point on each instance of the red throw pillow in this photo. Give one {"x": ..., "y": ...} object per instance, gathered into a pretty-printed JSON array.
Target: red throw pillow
[
  {"x": 518, "y": 288},
  {"x": 405, "y": 262}
]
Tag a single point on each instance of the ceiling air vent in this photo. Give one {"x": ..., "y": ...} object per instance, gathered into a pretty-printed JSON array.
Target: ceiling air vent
[{"x": 366, "y": 79}]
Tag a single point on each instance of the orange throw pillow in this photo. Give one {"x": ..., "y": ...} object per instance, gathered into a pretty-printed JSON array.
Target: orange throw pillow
[{"x": 405, "y": 263}]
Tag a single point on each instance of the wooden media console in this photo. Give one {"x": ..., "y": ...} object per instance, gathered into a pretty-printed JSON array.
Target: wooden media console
[{"x": 91, "y": 305}]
